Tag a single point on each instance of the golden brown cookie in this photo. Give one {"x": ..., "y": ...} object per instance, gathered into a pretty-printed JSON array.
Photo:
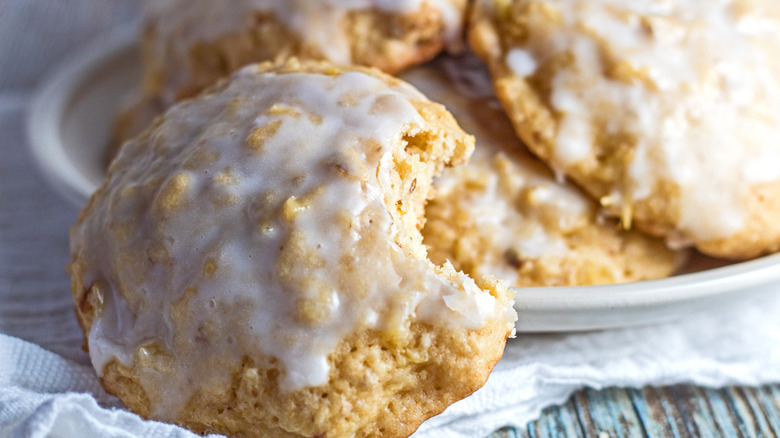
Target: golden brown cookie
[
  {"x": 189, "y": 44},
  {"x": 505, "y": 214},
  {"x": 252, "y": 266},
  {"x": 667, "y": 112}
]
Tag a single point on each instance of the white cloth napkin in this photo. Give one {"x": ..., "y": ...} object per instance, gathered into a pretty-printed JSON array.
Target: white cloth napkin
[{"x": 48, "y": 389}]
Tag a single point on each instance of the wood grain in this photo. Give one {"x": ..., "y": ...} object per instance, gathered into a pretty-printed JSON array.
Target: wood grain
[{"x": 671, "y": 412}]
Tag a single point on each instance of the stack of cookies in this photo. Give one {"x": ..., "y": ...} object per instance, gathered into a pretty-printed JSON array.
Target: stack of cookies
[{"x": 292, "y": 242}]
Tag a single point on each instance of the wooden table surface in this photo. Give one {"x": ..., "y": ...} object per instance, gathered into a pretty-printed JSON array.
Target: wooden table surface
[{"x": 675, "y": 411}]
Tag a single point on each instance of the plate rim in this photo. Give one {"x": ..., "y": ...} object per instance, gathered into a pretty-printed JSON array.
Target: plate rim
[{"x": 49, "y": 102}]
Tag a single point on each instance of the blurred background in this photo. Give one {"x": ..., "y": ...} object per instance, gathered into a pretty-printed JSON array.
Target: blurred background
[{"x": 31, "y": 33}]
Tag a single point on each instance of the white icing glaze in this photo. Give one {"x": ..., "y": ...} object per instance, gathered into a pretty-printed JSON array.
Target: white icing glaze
[
  {"x": 180, "y": 24},
  {"x": 521, "y": 62},
  {"x": 316, "y": 184},
  {"x": 558, "y": 208},
  {"x": 703, "y": 103}
]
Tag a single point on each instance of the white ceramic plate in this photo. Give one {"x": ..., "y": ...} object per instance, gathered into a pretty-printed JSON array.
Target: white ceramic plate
[{"x": 69, "y": 128}]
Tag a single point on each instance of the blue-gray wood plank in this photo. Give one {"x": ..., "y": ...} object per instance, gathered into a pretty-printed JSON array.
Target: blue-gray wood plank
[{"x": 672, "y": 412}]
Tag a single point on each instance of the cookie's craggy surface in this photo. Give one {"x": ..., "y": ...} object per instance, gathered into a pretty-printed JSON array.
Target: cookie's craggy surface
[
  {"x": 253, "y": 266},
  {"x": 668, "y": 112},
  {"x": 189, "y": 44},
  {"x": 504, "y": 214}
]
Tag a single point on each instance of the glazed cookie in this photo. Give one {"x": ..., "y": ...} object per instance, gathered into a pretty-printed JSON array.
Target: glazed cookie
[
  {"x": 667, "y": 112},
  {"x": 252, "y": 266},
  {"x": 189, "y": 44},
  {"x": 505, "y": 214}
]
